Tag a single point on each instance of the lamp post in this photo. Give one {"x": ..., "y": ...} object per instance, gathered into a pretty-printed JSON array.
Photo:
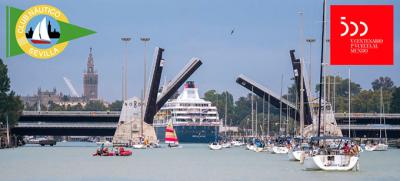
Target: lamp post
[
  {"x": 125, "y": 69},
  {"x": 144, "y": 40},
  {"x": 310, "y": 41}
]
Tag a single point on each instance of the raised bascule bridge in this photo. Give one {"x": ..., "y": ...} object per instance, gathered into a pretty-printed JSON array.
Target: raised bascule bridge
[
  {"x": 134, "y": 120},
  {"x": 362, "y": 125}
]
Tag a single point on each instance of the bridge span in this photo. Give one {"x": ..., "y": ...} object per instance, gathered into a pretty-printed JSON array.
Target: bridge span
[
  {"x": 103, "y": 123},
  {"x": 67, "y": 123}
]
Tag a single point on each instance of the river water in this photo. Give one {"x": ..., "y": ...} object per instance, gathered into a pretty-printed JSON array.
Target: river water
[{"x": 73, "y": 161}]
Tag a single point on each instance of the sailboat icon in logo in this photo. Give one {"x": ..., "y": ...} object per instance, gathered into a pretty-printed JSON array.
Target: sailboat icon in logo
[{"x": 40, "y": 34}]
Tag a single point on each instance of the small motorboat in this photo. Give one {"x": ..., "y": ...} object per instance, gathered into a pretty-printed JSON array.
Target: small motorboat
[
  {"x": 376, "y": 147},
  {"x": 215, "y": 146},
  {"x": 118, "y": 152},
  {"x": 297, "y": 153},
  {"x": 174, "y": 146},
  {"x": 122, "y": 152},
  {"x": 226, "y": 145},
  {"x": 250, "y": 147},
  {"x": 236, "y": 143},
  {"x": 139, "y": 146},
  {"x": 280, "y": 150}
]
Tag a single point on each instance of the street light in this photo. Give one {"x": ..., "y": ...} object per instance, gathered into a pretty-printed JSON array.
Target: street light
[
  {"x": 125, "y": 69},
  {"x": 310, "y": 41},
  {"x": 144, "y": 40}
]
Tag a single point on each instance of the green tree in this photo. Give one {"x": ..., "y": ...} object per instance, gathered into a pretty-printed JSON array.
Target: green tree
[
  {"x": 395, "y": 102},
  {"x": 219, "y": 100},
  {"x": 115, "y": 106},
  {"x": 95, "y": 105},
  {"x": 385, "y": 82},
  {"x": 55, "y": 107},
  {"x": 341, "y": 86},
  {"x": 242, "y": 110},
  {"x": 10, "y": 104},
  {"x": 77, "y": 107}
]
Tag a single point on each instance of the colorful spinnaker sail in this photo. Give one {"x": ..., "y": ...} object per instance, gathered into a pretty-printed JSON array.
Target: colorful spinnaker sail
[{"x": 170, "y": 134}]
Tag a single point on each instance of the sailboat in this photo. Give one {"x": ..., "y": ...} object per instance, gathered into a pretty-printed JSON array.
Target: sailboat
[
  {"x": 170, "y": 136},
  {"x": 380, "y": 146},
  {"x": 331, "y": 155},
  {"x": 40, "y": 34}
]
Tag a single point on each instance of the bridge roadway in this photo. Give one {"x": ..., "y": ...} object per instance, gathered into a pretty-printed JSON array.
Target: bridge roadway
[
  {"x": 67, "y": 123},
  {"x": 103, "y": 123}
]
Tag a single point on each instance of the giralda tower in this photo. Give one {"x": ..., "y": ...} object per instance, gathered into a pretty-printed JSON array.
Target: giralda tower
[{"x": 90, "y": 80}]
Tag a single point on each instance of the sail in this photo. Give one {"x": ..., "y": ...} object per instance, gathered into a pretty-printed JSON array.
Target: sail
[
  {"x": 170, "y": 134},
  {"x": 44, "y": 35},
  {"x": 36, "y": 35},
  {"x": 40, "y": 35}
]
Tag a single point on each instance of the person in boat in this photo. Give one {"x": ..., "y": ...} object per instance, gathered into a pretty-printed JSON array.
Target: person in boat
[
  {"x": 117, "y": 151},
  {"x": 99, "y": 150},
  {"x": 346, "y": 148}
]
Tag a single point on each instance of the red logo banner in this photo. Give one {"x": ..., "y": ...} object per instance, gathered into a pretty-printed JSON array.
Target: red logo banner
[{"x": 361, "y": 35}]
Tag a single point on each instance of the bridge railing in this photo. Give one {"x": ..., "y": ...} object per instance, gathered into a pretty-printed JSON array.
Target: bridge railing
[
  {"x": 71, "y": 113},
  {"x": 367, "y": 115},
  {"x": 370, "y": 127},
  {"x": 66, "y": 125}
]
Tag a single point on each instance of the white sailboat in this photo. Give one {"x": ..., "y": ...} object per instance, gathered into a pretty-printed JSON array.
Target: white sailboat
[
  {"x": 330, "y": 156},
  {"x": 40, "y": 34}
]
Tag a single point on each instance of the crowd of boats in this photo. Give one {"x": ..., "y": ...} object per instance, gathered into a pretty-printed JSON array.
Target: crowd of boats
[{"x": 327, "y": 153}]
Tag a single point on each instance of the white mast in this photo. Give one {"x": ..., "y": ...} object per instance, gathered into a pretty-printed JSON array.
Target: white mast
[
  {"x": 380, "y": 117},
  {"x": 301, "y": 99},
  {"x": 349, "y": 103},
  {"x": 280, "y": 107},
  {"x": 252, "y": 112},
  {"x": 263, "y": 111},
  {"x": 226, "y": 111},
  {"x": 268, "y": 114},
  {"x": 256, "y": 125}
]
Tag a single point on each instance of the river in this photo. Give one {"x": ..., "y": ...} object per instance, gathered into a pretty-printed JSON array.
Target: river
[{"x": 73, "y": 161}]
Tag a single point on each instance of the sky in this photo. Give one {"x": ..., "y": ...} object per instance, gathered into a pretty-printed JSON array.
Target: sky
[{"x": 264, "y": 32}]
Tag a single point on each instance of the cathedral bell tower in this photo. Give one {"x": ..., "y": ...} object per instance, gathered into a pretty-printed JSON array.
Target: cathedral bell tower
[{"x": 90, "y": 80}]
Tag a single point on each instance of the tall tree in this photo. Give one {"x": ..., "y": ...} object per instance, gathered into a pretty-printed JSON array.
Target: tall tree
[
  {"x": 219, "y": 100},
  {"x": 10, "y": 104},
  {"x": 95, "y": 106},
  {"x": 385, "y": 82},
  {"x": 395, "y": 103},
  {"x": 342, "y": 86},
  {"x": 115, "y": 106}
]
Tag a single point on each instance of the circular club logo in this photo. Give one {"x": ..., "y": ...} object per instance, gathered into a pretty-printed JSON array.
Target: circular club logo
[{"x": 38, "y": 31}]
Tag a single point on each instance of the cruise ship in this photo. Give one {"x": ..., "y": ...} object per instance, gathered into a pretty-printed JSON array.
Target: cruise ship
[{"x": 195, "y": 120}]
